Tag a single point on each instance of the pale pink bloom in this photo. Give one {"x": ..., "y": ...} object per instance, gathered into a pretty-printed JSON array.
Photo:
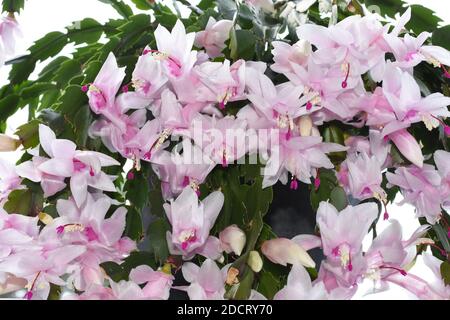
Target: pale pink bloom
[
  {"x": 342, "y": 232},
  {"x": 102, "y": 92},
  {"x": 213, "y": 38},
  {"x": 50, "y": 184},
  {"x": 82, "y": 167},
  {"x": 421, "y": 188},
  {"x": 389, "y": 254},
  {"x": 404, "y": 95},
  {"x": 299, "y": 287},
  {"x": 206, "y": 282},
  {"x": 342, "y": 44},
  {"x": 157, "y": 283},
  {"x": 222, "y": 140},
  {"x": 191, "y": 223},
  {"x": 175, "y": 50},
  {"x": 410, "y": 51},
  {"x": 148, "y": 76},
  {"x": 88, "y": 227},
  {"x": 9, "y": 33},
  {"x": 280, "y": 105},
  {"x": 42, "y": 266},
  {"x": 178, "y": 170},
  {"x": 364, "y": 177},
  {"x": 284, "y": 251},
  {"x": 232, "y": 239},
  {"x": 9, "y": 179},
  {"x": 299, "y": 156},
  {"x": 323, "y": 86},
  {"x": 284, "y": 55}
]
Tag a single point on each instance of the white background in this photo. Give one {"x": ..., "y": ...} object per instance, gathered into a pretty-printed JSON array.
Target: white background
[{"x": 43, "y": 16}]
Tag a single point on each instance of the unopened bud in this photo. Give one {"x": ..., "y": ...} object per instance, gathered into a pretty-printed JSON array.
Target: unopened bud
[
  {"x": 232, "y": 239},
  {"x": 8, "y": 143},
  {"x": 305, "y": 125},
  {"x": 254, "y": 261},
  {"x": 284, "y": 251}
]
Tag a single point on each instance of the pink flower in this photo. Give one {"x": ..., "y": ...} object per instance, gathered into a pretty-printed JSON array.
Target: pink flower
[
  {"x": 364, "y": 177},
  {"x": 343, "y": 232},
  {"x": 175, "y": 50},
  {"x": 148, "y": 76},
  {"x": 206, "y": 282},
  {"x": 421, "y": 188},
  {"x": 299, "y": 287},
  {"x": 9, "y": 179},
  {"x": 82, "y": 167},
  {"x": 191, "y": 223},
  {"x": 9, "y": 33},
  {"x": 88, "y": 227},
  {"x": 222, "y": 140},
  {"x": 300, "y": 156},
  {"x": 102, "y": 92},
  {"x": 157, "y": 283},
  {"x": 214, "y": 36}
]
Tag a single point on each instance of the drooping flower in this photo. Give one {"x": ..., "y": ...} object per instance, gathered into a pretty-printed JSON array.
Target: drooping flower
[{"x": 9, "y": 179}]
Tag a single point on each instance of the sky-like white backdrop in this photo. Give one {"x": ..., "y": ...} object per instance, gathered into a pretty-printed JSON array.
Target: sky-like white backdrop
[{"x": 43, "y": 16}]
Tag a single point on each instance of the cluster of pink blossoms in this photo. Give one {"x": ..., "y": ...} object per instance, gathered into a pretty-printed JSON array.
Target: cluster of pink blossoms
[{"x": 183, "y": 90}]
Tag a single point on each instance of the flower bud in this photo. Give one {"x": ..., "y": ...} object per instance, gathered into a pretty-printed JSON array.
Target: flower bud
[
  {"x": 284, "y": 251},
  {"x": 232, "y": 239},
  {"x": 254, "y": 261},
  {"x": 408, "y": 146},
  {"x": 305, "y": 125},
  {"x": 8, "y": 143}
]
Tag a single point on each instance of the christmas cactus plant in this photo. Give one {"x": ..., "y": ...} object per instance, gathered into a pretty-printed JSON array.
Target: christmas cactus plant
[{"x": 151, "y": 150}]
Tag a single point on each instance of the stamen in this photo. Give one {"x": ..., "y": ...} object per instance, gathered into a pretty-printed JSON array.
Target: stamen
[{"x": 70, "y": 227}]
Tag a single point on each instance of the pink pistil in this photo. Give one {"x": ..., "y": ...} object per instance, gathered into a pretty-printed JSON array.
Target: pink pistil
[
  {"x": 316, "y": 182},
  {"x": 130, "y": 175},
  {"x": 309, "y": 106},
  {"x": 91, "y": 172},
  {"x": 386, "y": 215},
  {"x": 60, "y": 229},
  {"x": 222, "y": 105},
  {"x": 294, "y": 184},
  {"x": 28, "y": 295},
  {"x": 446, "y": 127},
  {"x": 344, "y": 83},
  {"x": 402, "y": 272},
  {"x": 186, "y": 181},
  {"x": 125, "y": 88},
  {"x": 85, "y": 88},
  {"x": 224, "y": 161}
]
